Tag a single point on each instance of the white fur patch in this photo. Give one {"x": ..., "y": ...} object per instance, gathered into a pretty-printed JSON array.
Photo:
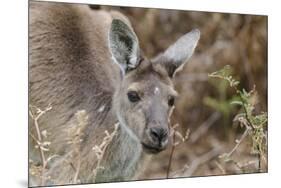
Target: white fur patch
[
  {"x": 101, "y": 109},
  {"x": 156, "y": 91}
]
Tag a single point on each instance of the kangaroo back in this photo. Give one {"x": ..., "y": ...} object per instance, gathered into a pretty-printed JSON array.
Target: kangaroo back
[{"x": 70, "y": 69}]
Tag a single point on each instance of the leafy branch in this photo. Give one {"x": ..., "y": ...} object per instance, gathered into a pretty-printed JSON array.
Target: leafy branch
[{"x": 254, "y": 123}]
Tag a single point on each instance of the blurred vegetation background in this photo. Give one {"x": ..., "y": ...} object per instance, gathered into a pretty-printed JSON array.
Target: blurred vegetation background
[{"x": 204, "y": 104}]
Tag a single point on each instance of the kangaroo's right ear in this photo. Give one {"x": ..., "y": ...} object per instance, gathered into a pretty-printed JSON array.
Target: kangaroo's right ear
[
  {"x": 124, "y": 46},
  {"x": 175, "y": 57}
]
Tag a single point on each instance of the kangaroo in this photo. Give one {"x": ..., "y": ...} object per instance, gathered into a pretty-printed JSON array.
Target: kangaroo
[{"x": 83, "y": 59}]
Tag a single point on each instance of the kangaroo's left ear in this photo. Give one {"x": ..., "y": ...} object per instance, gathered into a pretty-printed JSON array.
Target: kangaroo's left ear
[
  {"x": 124, "y": 46},
  {"x": 174, "y": 58}
]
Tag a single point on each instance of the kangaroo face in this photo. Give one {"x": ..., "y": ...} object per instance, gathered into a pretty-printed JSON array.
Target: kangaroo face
[
  {"x": 145, "y": 97},
  {"x": 144, "y": 100}
]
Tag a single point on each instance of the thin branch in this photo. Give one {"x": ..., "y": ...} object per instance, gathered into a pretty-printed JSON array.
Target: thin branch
[
  {"x": 204, "y": 127},
  {"x": 76, "y": 175},
  {"x": 238, "y": 142},
  {"x": 171, "y": 155},
  {"x": 180, "y": 171},
  {"x": 39, "y": 139},
  {"x": 220, "y": 167},
  {"x": 100, "y": 149},
  {"x": 182, "y": 139},
  {"x": 75, "y": 137},
  {"x": 200, "y": 160}
]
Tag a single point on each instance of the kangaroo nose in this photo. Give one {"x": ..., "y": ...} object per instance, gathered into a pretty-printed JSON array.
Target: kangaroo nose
[{"x": 159, "y": 136}]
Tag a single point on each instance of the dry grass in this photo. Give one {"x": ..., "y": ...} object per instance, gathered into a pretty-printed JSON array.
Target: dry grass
[
  {"x": 40, "y": 173},
  {"x": 100, "y": 149}
]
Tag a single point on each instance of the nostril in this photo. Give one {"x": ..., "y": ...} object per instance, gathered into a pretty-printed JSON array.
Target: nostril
[
  {"x": 155, "y": 134},
  {"x": 158, "y": 135},
  {"x": 165, "y": 134}
]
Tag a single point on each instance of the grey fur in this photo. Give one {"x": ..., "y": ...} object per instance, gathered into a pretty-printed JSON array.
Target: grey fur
[{"x": 71, "y": 68}]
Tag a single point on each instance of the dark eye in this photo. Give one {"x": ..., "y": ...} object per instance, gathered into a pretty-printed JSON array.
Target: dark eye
[
  {"x": 171, "y": 101},
  {"x": 133, "y": 96}
]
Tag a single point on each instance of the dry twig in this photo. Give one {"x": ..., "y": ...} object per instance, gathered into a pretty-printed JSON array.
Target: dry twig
[
  {"x": 200, "y": 160},
  {"x": 204, "y": 127},
  {"x": 182, "y": 138},
  {"x": 220, "y": 167},
  {"x": 75, "y": 134},
  {"x": 41, "y": 145},
  {"x": 100, "y": 149}
]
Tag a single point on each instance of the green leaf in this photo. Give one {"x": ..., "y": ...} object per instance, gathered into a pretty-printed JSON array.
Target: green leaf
[{"x": 237, "y": 102}]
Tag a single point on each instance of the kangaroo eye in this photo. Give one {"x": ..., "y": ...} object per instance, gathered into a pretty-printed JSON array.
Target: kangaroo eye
[
  {"x": 133, "y": 96},
  {"x": 171, "y": 101}
]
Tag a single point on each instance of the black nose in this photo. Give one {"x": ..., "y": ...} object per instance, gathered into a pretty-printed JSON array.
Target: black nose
[{"x": 159, "y": 136}]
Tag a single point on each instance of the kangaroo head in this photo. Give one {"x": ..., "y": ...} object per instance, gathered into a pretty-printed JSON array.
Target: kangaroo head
[{"x": 146, "y": 93}]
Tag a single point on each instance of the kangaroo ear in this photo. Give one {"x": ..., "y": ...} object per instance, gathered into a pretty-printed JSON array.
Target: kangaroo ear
[
  {"x": 124, "y": 46},
  {"x": 174, "y": 58}
]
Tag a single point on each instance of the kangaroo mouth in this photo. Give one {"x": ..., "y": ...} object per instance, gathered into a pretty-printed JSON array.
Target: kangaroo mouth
[{"x": 151, "y": 149}]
